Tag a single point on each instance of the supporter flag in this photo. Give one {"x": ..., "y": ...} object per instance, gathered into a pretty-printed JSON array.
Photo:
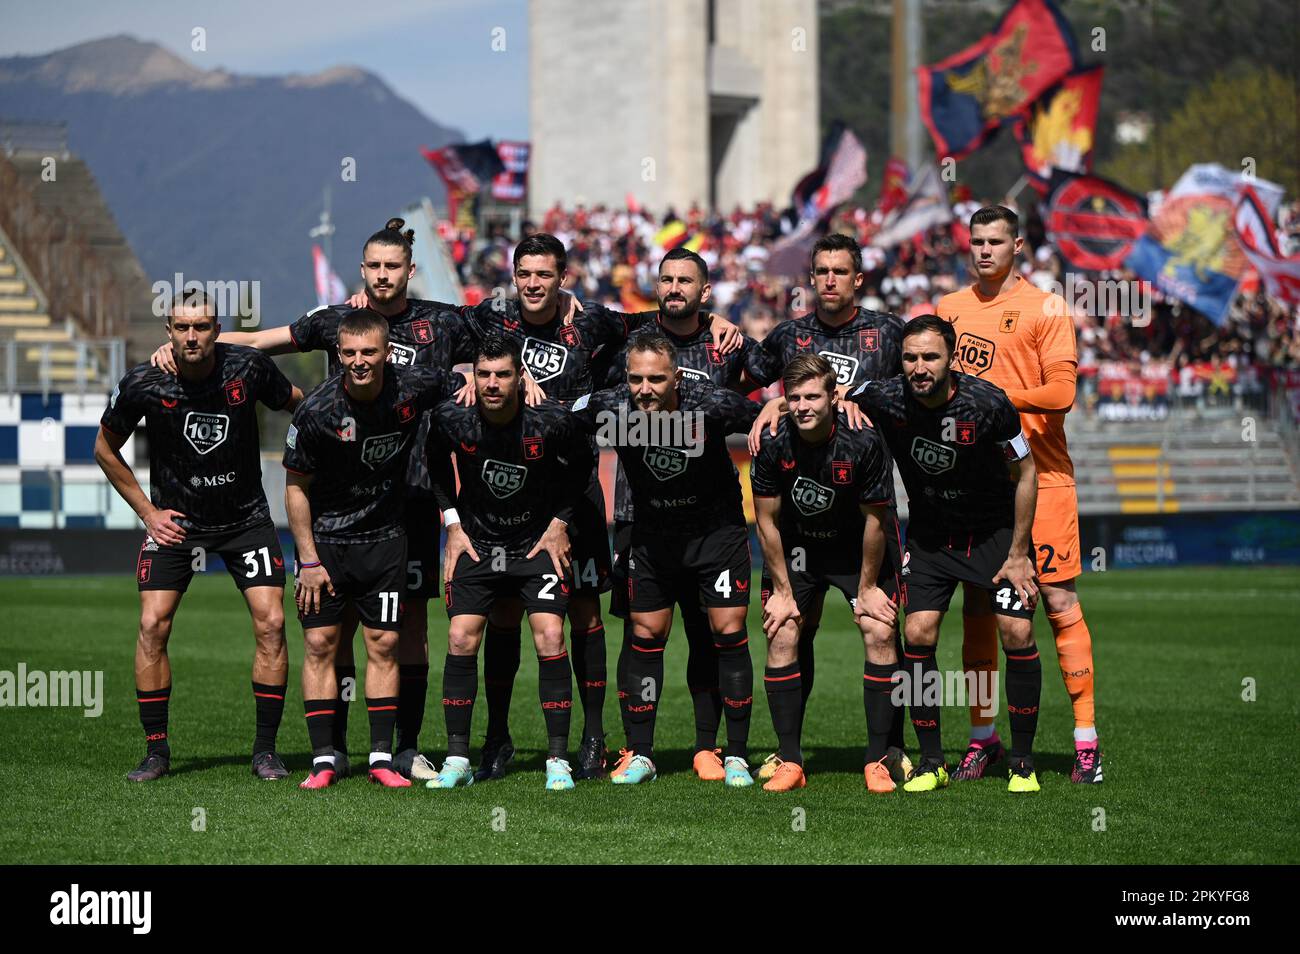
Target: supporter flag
[
  {"x": 1191, "y": 251},
  {"x": 1254, "y": 226},
  {"x": 511, "y": 184},
  {"x": 464, "y": 169},
  {"x": 841, "y": 171},
  {"x": 893, "y": 189},
  {"x": 1093, "y": 223},
  {"x": 1059, "y": 130},
  {"x": 676, "y": 235},
  {"x": 926, "y": 206},
  {"x": 966, "y": 97},
  {"x": 329, "y": 287}
]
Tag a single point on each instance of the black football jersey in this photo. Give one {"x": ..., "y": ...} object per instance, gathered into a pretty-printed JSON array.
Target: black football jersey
[
  {"x": 204, "y": 456},
  {"x": 513, "y": 478},
  {"x": 356, "y": 451},
  {"x": 867, "y": 348},
  {"x": 682, "y": 484},
  {"x": 560, "y": 357},
  {"x": 953, "y": 458},
  {"x": 698, "y": 358},
  {"x": 427, "y": 334},
  {"x": 822, "y": 486}
]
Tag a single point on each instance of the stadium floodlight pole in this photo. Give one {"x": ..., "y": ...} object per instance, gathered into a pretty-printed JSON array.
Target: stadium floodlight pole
[{"x": 905, "y": 57}]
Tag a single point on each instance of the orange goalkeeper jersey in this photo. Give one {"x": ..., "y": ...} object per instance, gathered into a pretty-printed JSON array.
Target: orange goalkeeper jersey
[{"x": 1008, "y": 341}]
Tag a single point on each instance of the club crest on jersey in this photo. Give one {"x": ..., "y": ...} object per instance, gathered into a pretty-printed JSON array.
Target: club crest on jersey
[
  {"x": 811, "y": 497},
  {"x": 931, "y": 457},
  {"x": 869, "y": 339},
  {"x": 206, "y": 432},
  {"x": 377, "y": 450},
  {"x": 421, "y": 330},
  {"x": 533, "y": 448},
  {"x": 965, "y": 433},
  {"x": 569, "y": 335},
  {"x": 403, "y": 356},
  {"x": 235, "y": 393},
  {"x": 666, "y": 462},
  {"x": 142, "y": 570},
  {"x": 503, "y": 479},
  {"x": 405, "y": 411},
  {"x": 845, "y": 367},
  {"x": 974, "y": 354},
  {"x": 712, "y": 351},
  {"x": 842, "y": 471},
  {"x": 544, "y": 359},
  {"x": 1007, "y": 323}
]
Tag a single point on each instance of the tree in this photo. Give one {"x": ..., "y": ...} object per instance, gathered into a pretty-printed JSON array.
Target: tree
[{"x": 1242, "y": 118}]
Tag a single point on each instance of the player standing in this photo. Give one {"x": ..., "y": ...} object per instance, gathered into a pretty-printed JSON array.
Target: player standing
[
  {"x": 954, "y": 438},
  {"x": 689, "y": 539},
  {"x": 205, "y": 496},
  {"x": 1020, "y": 338},
  {"x": 683, "y": 290},
  {"x": 559, "y": 353},
  {"x": 346, "y": 457},
  {"x": 422, "y": 334},
  {"x": 823, "y": 499},
  {"x": 861, "y": 345},
  {"x": 523, "y": 472}
]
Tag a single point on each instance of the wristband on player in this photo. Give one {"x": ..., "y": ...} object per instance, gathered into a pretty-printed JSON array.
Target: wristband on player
[
  {"x": 308, "y": 566},
  {"x": 450, "y": 517}
]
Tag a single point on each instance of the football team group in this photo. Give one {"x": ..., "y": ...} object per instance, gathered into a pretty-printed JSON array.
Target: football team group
[{"x": 486, "y": 420}]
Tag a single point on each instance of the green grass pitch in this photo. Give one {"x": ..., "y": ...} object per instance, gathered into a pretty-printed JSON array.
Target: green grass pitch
[{"x": 1194, "y": 773}]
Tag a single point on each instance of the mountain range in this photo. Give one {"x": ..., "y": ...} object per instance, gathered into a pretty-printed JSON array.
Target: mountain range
[{"x": 220, "y": 176}]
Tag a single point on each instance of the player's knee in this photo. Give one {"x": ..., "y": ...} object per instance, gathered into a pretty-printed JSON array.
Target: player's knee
[
  {"x": 921, "y": 633},
  {"x": 549, "y": 639},
  {"x": 1059, "y": 599},
  {"x": 875, "y": 634},
  {"x": 154, "y": 631},
  {"x": 785, "y": 643},
  {"x": 268, "y": 626},
  {"x": 1016, "y": 633},
  {"x": 318, "y": 645},
  {"x": 462, "y": 641}
]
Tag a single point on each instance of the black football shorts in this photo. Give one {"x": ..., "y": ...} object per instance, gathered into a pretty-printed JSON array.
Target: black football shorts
[
  {"x": 933, "y": 565},
  {"x": 252, "y": 557},
  {"x": 371, "y": 576},
  {"x": 475, "y": 587},
  {"x": 712, "y": 569}
]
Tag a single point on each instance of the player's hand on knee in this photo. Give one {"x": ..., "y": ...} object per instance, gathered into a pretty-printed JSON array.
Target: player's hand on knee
[
  {"x": 163, "y": 529},
  {"x": 555, "y": 541},
  {"x": 779, "y": 610},
  {"x": 457, "y": 543},
  {"x": 875, "y": 603},
  {"x": 769, "y": 417},
  {"x": 1019, "y": 572},
  {"x": 164, "y": 359}
]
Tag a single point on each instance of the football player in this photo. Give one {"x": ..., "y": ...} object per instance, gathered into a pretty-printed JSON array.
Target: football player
[
  {"x": 1021, "y": 338},
  {"x": 823, "y": 501},
  {"x": 955, "y": 438},
  {"x": 523, "y": 472},
  {"x": 205, "y": 497}
]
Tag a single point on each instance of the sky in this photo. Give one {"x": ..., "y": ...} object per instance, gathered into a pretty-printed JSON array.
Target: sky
[{"x": 438, "y": 54}]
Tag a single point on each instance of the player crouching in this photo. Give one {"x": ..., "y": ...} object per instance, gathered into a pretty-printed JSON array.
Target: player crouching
[
  {"x": 523, "y": 471},
  {"x": 823, "y": 498}
]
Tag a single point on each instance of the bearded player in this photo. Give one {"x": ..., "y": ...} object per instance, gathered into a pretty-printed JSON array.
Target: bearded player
[
  {"x": 205, "y": 495},
  {"x": 1011, "y": 334}
]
